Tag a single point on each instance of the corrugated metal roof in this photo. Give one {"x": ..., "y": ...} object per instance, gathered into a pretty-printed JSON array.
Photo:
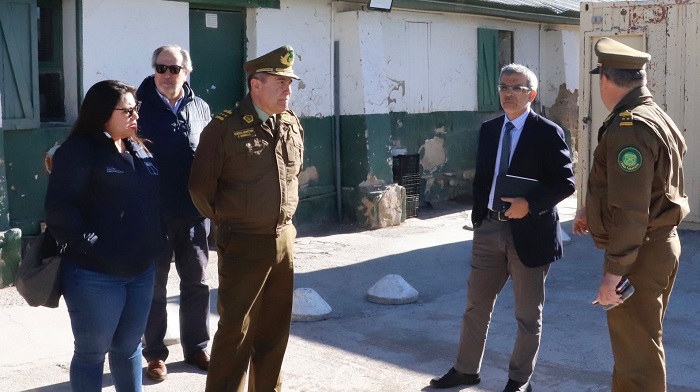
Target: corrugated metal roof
[
  {"x": 538, "y": 11},
  {"x": 558, "y": 6}
]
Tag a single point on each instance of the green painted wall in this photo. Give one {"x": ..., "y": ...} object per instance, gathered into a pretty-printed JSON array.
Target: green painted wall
[
  {"x": 4, "y": 199},
  {"x": 366, "y": 142},
  {"x": 317, "y": 183},
  {"x": 459, "y": 132},
  {"x": 26, "y": 176}
]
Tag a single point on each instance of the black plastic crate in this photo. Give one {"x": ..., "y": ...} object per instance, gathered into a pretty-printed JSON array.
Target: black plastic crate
[
  {"x": 403, "y": 165},
  {"x": 411, "y": 206},
  {"x": 412, "y": 184}
]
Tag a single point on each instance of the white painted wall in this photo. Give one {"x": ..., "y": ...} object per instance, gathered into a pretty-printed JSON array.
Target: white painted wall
[
  {"x": 306, "y": 25},
  {"x": 379, "y": 59},
  {"x": 559, "y": 63},
  {"x": 352, "y": 83},
  {"x": 380, "y": 68},
  {"x": 119, "y": 37}
]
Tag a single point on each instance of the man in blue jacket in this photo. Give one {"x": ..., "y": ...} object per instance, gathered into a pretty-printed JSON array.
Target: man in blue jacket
[{"x": 171, "y": 119}]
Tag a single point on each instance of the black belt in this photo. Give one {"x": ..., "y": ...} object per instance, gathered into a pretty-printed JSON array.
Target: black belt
[{"x": 498, "y": 216}]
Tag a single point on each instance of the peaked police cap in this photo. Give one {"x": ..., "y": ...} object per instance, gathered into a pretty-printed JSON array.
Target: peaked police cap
[
  {"x": 613, "y": 54},
  {"x": 278, "y": 62}
]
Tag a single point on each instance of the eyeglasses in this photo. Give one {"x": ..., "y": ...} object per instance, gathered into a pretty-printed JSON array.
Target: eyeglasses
[
  {"x": 174, "y": 69},
  {"x": 504, "y": 88},
  {"x": 130, "y": 111}
]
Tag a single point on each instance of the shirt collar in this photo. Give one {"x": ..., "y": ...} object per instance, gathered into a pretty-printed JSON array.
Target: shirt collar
[
  {"x": 518, "y": 122},
  {"x": 261, "y": 113},
  {"x": 167, "y": 101}
]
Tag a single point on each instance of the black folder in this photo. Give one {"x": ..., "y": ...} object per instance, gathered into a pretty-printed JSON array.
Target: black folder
[{"x": 514, "y": 186}]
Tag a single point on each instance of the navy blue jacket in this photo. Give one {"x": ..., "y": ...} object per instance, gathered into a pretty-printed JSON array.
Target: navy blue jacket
[
  {"x": 105, "y": 211},
  {"x": 172, "y": 138},
  {"x": 542, "y": 154}
]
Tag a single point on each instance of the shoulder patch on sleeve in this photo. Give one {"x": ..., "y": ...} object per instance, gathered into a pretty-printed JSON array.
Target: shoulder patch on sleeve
[{"x": 629, "y": 159}]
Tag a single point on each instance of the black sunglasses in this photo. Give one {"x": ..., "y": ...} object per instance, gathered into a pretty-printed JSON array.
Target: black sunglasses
[
  {"x": 174, "y": 69},
  {"x": 130, "y": 111}
]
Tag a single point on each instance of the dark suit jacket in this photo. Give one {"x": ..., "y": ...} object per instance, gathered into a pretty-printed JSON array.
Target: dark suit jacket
[{"x": 542, "y": 154}]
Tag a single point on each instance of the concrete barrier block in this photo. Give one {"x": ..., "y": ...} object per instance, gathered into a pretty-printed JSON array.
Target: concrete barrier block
[
  {"x": 381, "y": 206},
  {"x": 307, "y": 305},
  {"x": 392, "y": 290}
]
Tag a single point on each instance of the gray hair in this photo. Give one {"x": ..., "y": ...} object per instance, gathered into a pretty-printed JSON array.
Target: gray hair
[
  {"x": 520, "y": 69},
  {"x": 626, "y": 78},
  {"x": 261, "y": 76},
  {"x": 186, "y": 60}
]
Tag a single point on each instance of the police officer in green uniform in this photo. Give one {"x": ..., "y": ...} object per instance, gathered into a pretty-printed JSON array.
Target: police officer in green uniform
[
  {"x": 634, "y": 202},
  {"x": 245, "y": 178}
]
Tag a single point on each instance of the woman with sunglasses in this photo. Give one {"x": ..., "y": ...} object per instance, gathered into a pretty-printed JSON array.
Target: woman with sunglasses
[{"x": 102, "y": 207}]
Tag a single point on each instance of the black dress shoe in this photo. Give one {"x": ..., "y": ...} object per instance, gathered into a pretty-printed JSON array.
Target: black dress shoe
[
  {"x": 517, "y": 386},
  {"x": 454, "y": 378}
]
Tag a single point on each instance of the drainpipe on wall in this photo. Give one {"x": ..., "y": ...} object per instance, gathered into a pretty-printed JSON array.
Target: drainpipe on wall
[
  {"x": 10, "y": 240},
  {"x": 336, "y": 129}
]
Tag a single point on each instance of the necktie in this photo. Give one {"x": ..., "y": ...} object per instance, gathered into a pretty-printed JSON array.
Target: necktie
[
  {"x": 499, "y": 205},
  {"x": 505, "y": 150},
  {"x": 271, "y": 122}
]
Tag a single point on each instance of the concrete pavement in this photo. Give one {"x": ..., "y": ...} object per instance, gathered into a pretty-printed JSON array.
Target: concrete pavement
[{"x": 366, "y": 346}]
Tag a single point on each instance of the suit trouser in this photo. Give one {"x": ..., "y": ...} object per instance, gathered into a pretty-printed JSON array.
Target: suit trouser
[
  {"x": 187, "y": 239},
  {"x": 494, "y": 259},
  {"x": 256, "y": 284},
  {"x": 636, "y": 326}
]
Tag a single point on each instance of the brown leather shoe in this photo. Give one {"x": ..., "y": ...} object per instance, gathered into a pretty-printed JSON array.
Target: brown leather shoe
[
  {"x": 156, "y": 370},
  {"x": 199, "y": 359}
]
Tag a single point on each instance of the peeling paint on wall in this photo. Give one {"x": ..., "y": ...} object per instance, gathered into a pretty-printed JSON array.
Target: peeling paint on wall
[
  {"x": 396, "y": 85},
  {"x": 434, "y": 155},
  {"x": 565, "y": 113},
  {"x": 307, "y": 176},
  {"x": 565, "y": 109},
  {"x": 371, "y": 180}
]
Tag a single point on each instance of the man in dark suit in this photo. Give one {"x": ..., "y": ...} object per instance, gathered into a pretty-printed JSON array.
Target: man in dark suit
[{"x": 515, "y": 235}]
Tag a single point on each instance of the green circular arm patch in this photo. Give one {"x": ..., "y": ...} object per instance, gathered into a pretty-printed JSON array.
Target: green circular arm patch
[{"x": 629, "y": 159}]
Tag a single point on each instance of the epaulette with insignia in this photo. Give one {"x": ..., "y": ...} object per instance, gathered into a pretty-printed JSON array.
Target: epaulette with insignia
[
  {"x": 221, "y": 116},
  {"x": 626, "y": 119}
]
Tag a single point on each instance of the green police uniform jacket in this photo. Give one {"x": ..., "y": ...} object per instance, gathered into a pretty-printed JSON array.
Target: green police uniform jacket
[
  {"x": 244, "y": 174},
  {"x": 635, "y": 188}
]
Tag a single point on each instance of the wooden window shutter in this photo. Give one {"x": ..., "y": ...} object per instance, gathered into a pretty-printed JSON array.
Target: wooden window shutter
[
  {"x": 487, "y": 72},
  {"x": 19, "y": 68}
]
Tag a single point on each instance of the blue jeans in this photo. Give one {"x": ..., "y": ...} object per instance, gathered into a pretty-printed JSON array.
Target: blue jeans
[{"x": 108, "y": 313}]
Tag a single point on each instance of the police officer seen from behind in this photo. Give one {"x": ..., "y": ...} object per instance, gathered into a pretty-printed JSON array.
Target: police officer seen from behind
[
  {"x": 171, "y": 119},
  {"x": 634, "y": 202},
  {"x": 244, "y": 177}
]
